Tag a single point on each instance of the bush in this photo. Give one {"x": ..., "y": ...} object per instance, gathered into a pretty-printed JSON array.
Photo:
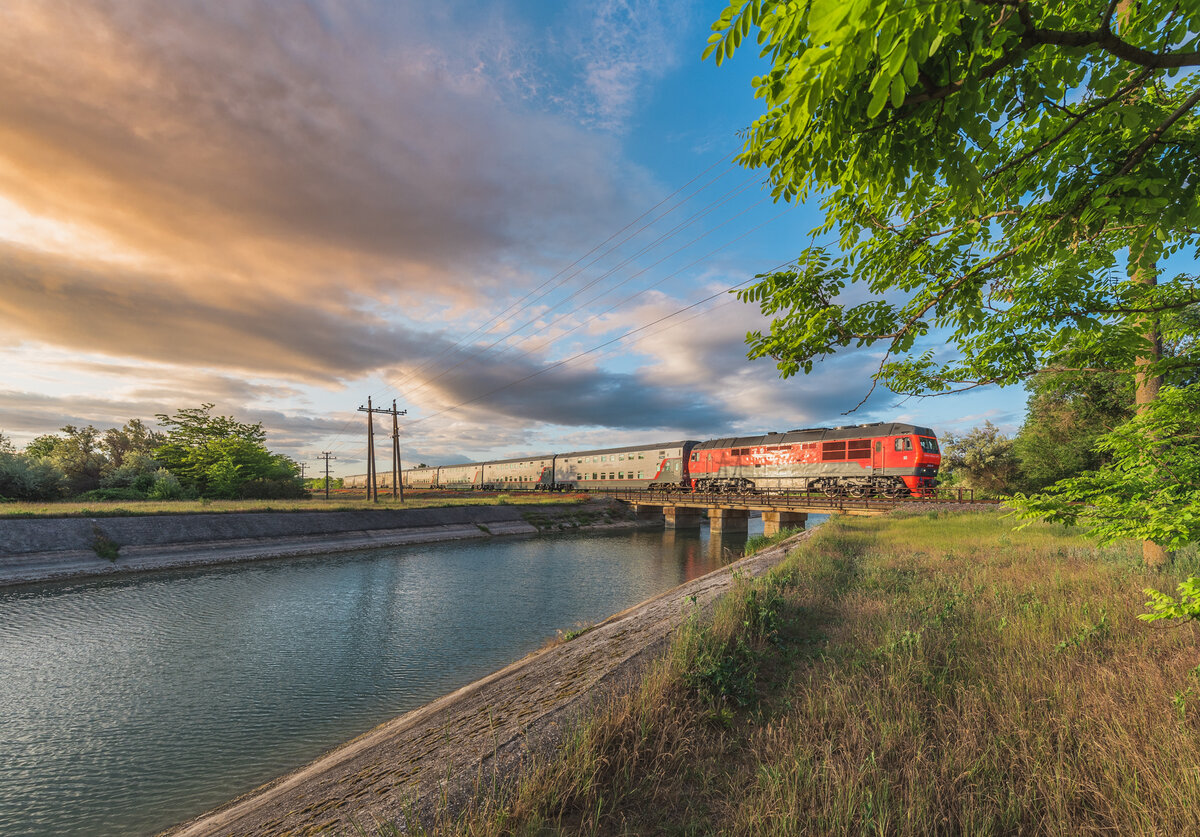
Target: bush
[
  {"x": 288, "y": 488},
  {"x": 136, "y": 472},
  {"x": 25, "y": 478},
  {"x": 167, "y": 487}
]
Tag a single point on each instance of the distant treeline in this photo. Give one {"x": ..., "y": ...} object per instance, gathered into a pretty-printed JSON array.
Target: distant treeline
[{"x": 196, "y": 455}]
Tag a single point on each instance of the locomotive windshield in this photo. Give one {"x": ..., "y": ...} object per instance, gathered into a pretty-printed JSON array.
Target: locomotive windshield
[{"x": 929, "y": 445}]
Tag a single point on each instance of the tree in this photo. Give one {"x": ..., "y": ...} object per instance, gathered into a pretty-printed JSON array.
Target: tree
[
  {"x": 76, "y": 454},
  {"x": 41, "y": 446},
  {"x": 984, "y": 459},
  {"x": 1147, "y": 489},
  {"x": 1066, "y": 415},
  {"x": 220, "y": 457},
  {"x": 6, "y": 445},
  {"x": 196, "y": 425},
  {"x": 133, "y": 438},
  {"x": 1003, "y": 176}
]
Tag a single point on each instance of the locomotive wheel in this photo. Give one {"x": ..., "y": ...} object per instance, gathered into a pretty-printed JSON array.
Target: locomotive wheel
[{"x": 857, "y": 491}]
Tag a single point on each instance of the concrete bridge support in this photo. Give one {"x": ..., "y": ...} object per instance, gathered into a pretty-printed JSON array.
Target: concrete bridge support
[
  {"x": 722, "y": 521},
  {"x": 646, "y": 512},
  {"x": 680, "y": 517},
  {"x": 773, "y": 521}
]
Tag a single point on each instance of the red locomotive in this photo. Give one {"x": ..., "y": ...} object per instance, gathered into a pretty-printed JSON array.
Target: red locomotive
[{"x": 883, "y": 458}]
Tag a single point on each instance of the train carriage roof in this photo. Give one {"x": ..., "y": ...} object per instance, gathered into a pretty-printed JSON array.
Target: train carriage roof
[
  {"x": 629, "y": 448},
  {"x": 819, "y": 434}
]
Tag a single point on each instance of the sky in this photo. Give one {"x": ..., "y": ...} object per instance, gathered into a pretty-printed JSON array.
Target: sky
[{"x": 520, "y": 219}]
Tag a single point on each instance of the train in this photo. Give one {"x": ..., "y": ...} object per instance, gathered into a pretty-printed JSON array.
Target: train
[{"x": 880, "y": 459}]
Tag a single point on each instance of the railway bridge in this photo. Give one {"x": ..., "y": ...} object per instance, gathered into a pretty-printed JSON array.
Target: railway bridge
[{"x": 730, "y": 512}]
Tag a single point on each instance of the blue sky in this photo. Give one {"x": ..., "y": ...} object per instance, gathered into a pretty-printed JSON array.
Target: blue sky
[{"x": 462, "y": 206}]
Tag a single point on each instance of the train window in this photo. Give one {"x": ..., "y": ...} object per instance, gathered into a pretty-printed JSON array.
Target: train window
[
  {"x": 694, "y": 455},
  {"x": 878, "y": 447},
  {"x": 904, "y": 444},
  {"x": 928, "y": 445}
]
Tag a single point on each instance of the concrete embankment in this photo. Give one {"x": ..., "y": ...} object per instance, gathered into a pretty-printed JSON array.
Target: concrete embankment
[
  {"x": 48, "y": 549},
  {"x": 440, "y": 754}
]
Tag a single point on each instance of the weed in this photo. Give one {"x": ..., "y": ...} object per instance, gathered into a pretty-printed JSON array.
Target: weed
[
  {"x": 104, "y": 546},
  {"x": 579, "y": 630},
  {"x": 1086, "y": 634}
]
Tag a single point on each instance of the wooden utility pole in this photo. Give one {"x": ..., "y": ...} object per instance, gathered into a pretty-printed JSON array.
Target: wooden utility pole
[
  {"x": 373, "y": 489},
  {"x": 396, "y": 469},
  {"x": 326, "y": 455}
]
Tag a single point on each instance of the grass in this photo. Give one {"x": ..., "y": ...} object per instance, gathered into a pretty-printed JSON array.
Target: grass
[
  {"x": 757, "y": 543},
  {"x": 919, "y": 675},
  {"x": 412, "y": 500}
]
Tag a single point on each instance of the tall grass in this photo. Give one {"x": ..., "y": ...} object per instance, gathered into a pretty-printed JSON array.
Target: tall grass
[{"x": 926, "y": 675}]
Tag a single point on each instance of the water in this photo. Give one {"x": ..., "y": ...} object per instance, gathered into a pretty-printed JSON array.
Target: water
[{"x": 128, "y": 705}]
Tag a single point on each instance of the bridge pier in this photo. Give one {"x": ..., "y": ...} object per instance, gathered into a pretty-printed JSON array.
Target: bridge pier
[
  {"x": 773, "y": 521},
  {"x": 681, "y": 517},
  {"x": 642, "y": 511},
  {"x": 722, "y": 521}
]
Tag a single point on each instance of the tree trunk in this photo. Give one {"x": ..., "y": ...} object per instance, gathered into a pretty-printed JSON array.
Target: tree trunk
[{"x": 1148, "y": 384}]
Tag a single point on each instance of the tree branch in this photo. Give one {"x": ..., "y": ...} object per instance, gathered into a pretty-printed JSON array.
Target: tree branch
[{"x": 1141, "y": 150}]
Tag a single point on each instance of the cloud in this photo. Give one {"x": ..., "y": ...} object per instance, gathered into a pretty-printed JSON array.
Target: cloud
[
  {"x": 624, "y": 45},
  {"x": 315, "y": 152}
]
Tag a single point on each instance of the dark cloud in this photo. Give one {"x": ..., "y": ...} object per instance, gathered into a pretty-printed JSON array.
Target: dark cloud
[{"x": 125, "y": 312}]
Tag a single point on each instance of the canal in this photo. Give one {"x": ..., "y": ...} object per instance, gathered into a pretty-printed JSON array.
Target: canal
[{"x": 127, "y": 705}]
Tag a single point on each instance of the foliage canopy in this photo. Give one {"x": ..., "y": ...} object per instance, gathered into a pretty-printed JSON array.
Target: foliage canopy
[
  {"x": 984, "y": 164},
  {"x": 1147, "y": 489},
  {"x": 220, "y": 457}
]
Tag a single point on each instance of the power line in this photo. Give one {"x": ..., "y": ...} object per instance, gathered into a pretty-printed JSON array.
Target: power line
[
  {"x": 428, "y": 382},
  {"x": 557, "y": 364},
  {"x": 341, "y": 432},
  {"x": 482, "y": 328}
]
